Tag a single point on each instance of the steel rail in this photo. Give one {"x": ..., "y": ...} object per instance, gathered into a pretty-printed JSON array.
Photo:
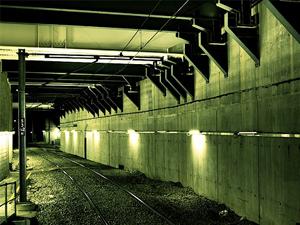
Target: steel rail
[
  {"x": 159, "y": 214},
  {"x": 80, "y": 188}
]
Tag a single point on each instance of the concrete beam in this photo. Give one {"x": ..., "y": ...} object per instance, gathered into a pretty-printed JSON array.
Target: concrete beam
[
  {"x": 52, "y": 37},
  {"x": 184, "y": 75},
  {"x": 277, "y": 12},
  {"x": 154, "y": 76},
  {"x": 217, "y": 52},
  {"x": 133, "y": 93},
  {"x": 170, "y": 88},
  {"x": 194, "y": 55},
  {"x": 245, "y": 36}
]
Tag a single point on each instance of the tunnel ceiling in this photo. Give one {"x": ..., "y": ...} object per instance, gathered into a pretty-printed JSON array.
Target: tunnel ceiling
[{"x": 87, "y": 54}]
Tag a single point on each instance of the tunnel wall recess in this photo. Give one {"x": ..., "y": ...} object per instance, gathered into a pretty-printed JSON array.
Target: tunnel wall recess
[
  {"x": 258, "y": 177},
  {"x": 5, "y": 125}
]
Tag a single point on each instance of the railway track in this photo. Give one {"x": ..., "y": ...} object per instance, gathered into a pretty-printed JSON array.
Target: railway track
[
  {"x": 101, "y": 176},
  {"x": 86, "y": 195}
]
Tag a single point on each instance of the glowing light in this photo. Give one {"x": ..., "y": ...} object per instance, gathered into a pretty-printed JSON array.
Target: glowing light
[
  {"x": 161, "y": 131},
  {"x": 6, "y": 132},
  {"x": 4, "y": 138},
  {"x": 55, "y": 133},
  {"x": 131, "y": 131},
  {"x": 247, "y": 133},
  {"x": 133, "y": 137},
  {"x": 67, "y": 135},
  {"x": 96, "y": 136},
  {"x": 198, "y": 141},
  {"x": 43, "y": 131},
  {"x": 193, "y": 132}
]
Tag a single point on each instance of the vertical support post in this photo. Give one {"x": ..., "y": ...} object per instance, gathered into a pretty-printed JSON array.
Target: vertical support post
[
  {"x": 22, "y": 125},
  {"x": 49, "y": 134},
  {"x": 15, "y": 196},
  {"x": 85, "y": 147},
  {"x": 85, "y": 142},
  {"x": 5, "y": 201}
]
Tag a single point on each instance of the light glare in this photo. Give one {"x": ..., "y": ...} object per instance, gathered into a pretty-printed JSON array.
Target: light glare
[
  {"x": 133, "y": 137},
  {"x": 193, "y": 132},
  {"x": 198, "y": 142},
  {"x": 55, "y": 133}
]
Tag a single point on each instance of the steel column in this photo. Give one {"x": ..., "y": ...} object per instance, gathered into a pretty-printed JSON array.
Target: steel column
[{"x": 22, "y": 126}]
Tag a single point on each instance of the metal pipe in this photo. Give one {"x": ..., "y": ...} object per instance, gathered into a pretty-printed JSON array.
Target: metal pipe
[
  {"x": 95, "y": 12},
  {"x": 22, "y": 125}
]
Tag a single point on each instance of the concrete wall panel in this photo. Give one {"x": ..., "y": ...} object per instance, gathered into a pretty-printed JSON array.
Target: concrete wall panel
[
  {"x": 5, "y": 125},
  {"x": 259, "y": 177}
]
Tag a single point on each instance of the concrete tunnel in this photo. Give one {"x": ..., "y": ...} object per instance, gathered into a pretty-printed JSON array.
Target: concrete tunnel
[{"x": 150, "y": 112}]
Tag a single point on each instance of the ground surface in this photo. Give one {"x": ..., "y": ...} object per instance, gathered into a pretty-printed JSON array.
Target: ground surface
[{"x": 60, "y": 200}]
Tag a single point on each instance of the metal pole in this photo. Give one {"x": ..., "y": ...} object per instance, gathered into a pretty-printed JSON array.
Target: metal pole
[
  {"x": 22, "y": 126},
  {"x": 49, "y": 142},
  {"x": 5, "y": 201},
  {"x": 15, "y": 192}
]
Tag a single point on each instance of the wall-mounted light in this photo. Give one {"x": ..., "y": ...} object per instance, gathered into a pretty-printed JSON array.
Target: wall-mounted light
[
  {"x": 161, "y": 131},
  {"x": 247, "y": 133},
  {"x": 130, "y": 131},
  {"x": 193, "y": 132}
]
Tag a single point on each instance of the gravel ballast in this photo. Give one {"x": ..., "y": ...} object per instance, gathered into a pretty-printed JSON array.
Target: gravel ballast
[{"x": 61, "y": 202}]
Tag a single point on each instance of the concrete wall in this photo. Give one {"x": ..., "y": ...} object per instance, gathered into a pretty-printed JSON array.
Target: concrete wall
[
  {"x": 5, "y": 125},
  {"x": 51, "y": 134},
  {"x": 258, "y": 177}
]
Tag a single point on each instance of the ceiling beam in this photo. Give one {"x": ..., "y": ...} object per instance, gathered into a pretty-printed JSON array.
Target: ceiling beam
[{"x": 56, "y": 38}]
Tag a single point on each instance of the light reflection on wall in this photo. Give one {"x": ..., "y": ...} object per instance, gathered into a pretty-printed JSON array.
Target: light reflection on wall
[
  {"x": 96, "y": 135},
  {"x": 67, "y": 140},
  {"x": 133, "y": 137},
  {"x": 74, "y": 135},
  {"x": 67, "y": 135},
  {"x": 96, "y": 144},
  {"x": 3, "y": 140},
  {"x": 73, "y": 149},
  {"x": 133, "y": 149},
  {"x": 55, "y": 133},
  {"x": 198, "y": 143},
  {"x": 5, "y": 152}
]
